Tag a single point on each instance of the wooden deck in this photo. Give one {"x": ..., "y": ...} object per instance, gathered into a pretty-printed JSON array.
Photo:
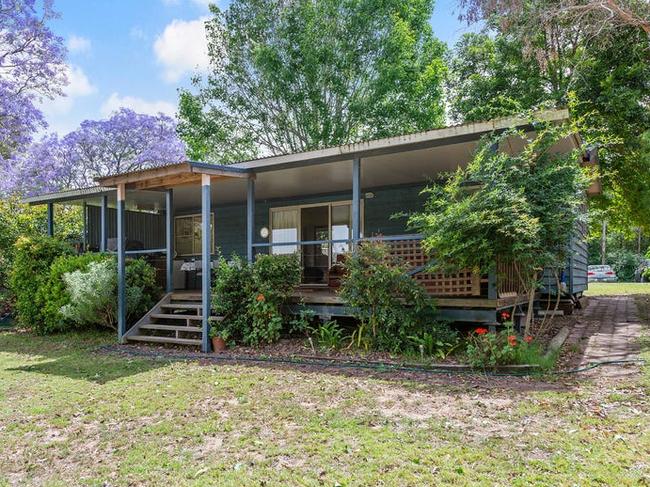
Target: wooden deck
[{"x": 329, "y": 296}]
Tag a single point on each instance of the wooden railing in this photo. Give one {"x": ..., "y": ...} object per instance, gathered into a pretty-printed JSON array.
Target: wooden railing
[{"x": 508, "y": 282}]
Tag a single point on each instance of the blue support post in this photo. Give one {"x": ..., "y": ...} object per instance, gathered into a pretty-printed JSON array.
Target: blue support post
[
  {"x": 206, "y": 280},
  {"x": 121, "y": 264},
  {"x": 103, "y": 237},
  {"x": 85, "y": 229},
  {"x": 356, "y": 200},
  {"x": 250, "y": 217},
  {"x": 169, "y": 238},
  {"x": 50, "y": 219}
]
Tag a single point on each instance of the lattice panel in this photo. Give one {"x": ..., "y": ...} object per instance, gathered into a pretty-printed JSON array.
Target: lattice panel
[{"x": 464, "y": 283}]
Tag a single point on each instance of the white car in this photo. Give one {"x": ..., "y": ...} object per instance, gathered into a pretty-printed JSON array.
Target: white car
[{"x": 602, "y": 273}]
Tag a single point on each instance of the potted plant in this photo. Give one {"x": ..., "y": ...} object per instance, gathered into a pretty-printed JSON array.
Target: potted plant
[{"x": 219, "y": 337}]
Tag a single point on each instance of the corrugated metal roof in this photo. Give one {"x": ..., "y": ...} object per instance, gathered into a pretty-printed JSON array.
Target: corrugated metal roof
[{"x": 68, "y": 195}]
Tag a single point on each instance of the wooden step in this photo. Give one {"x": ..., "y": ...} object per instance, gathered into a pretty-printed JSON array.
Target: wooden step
[
  {"x": 182, "y": 306},
  {"x": 158, "y": 339},
  {"x": 156, "y": 326},
  {"x": 187, "y": 296},
  {"x": 168, "y": 316}
]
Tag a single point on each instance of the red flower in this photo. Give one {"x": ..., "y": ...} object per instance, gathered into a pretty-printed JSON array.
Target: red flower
[
  {"x": 505, "y": 315},
  {"x": 260, "y": 297},
  {"x": 481, "y": 331},
  {"x": 512, "y": 340},
  {"x": 528, "y": 338}
]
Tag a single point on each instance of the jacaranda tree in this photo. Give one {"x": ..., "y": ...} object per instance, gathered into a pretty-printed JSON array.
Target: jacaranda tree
[
  {"x": 126, "y": 141},
  {"x": 31, "y": 68}
]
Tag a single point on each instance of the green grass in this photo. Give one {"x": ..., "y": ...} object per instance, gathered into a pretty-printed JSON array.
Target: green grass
[
  {"x": 70, "y": 416},
  {"x": 617, "y": 288}
]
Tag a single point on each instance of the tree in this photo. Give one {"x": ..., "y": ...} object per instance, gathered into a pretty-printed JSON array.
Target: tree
[
  {"x": 127, "y": 141},
  {"x": 522, "y": 212},
  {"x": 595, "y": 17},
  {"x": 605, "y": 82},
  {"x": 31, "y": 68},
  {"x": 295, "y": 76}
]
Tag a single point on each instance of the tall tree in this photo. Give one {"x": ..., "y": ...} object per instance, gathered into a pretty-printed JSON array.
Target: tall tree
[
  {"x": 300, "y": 75},
  {"x": 596, "y": 18},
  {"x": 608, "y": 81},
  {"x": 126, "y": 141},
  {"x": 31, "y": 68}
]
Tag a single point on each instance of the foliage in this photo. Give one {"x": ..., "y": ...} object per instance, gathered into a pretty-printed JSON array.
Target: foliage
[
  {"x": 604, "y": 81},
  {"x": 32, "y": 67},
  {"x": 53, "y": 295},
  {"x": 489, "y": 350},
  {"x": 597, "y": 18},
  {"x": 625, "y": 263},
  {"x": 251, "y": 297},
  {"x": 302, "y": 75},
  {"x": 329, "y": 335},
  {"x": 436, "y": 340},
  {"x": 519, "y": 207},
  {"x": 93, "y": 292},
  {"x": 126, "y": 141},
  {"x": 390, "y": 304},
  {"x": 31, "y": 267}
]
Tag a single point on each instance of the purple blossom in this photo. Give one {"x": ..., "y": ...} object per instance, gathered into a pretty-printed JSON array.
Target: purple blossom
[
  {"x": 127, "y": 141},
  {"x": 32, "y": 67}
]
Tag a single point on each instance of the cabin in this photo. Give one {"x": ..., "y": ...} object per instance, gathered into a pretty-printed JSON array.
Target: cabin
[{"x": 319, "y": 203}]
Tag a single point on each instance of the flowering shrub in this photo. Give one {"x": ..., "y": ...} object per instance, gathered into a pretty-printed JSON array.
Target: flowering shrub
[
  {"x": 251, "y": 297},
  {"x": 488, "y": 350}
]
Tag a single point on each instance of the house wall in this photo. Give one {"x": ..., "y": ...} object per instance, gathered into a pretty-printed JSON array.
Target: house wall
[{"x": 230, "y": 220}]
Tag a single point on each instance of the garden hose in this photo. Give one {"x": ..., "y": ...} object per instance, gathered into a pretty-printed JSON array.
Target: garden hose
[{"x": 357, "y": 364}]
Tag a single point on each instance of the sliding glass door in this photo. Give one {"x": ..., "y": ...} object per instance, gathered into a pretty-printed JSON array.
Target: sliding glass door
[{"x": 313, "y": 223}]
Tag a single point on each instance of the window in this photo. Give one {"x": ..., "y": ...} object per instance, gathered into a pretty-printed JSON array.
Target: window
[{"x": 188, "y": 234}]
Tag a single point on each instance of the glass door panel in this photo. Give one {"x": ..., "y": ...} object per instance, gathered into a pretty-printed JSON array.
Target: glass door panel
[
  {"x": 341, "y": 230},
  {"x": 315, "y": 225},
  {"x": 284, "y": 228}
]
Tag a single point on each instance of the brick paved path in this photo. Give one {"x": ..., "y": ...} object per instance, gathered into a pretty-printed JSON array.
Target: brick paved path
[{"x": 608, "y": 329}]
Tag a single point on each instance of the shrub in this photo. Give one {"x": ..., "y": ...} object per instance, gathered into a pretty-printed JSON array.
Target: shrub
[
  {"x": 329, "y": 335},
  {"x": 389, "y": 304},
  {"x": 93, "y": 292},
  {"x": 251, "y": 297},
  {"x": 31, "y": 267},
  {"x": 489, "y": 350},
  {"x": 53, "y": 294}
]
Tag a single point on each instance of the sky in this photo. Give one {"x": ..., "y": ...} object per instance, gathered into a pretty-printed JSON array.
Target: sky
[{"x": 138, "y": 53}]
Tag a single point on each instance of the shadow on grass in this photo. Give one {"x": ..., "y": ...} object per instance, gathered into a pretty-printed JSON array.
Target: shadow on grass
[
  {"x": 71, "y": 355},
  {"x": 450, "y": 380}
]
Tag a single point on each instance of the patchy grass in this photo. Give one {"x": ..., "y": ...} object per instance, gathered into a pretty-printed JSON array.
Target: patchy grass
[
  {"x": 71, "y": 416},
  {"x": 617, "y": 288}
]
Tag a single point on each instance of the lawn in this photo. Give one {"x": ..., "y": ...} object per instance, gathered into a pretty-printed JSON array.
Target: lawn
[
  {"x": 617, "y": 288},
  {"x": 72, "y": 416}
]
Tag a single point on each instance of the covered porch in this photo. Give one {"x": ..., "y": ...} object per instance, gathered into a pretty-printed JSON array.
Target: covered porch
[{"x": 319, "y": 204}]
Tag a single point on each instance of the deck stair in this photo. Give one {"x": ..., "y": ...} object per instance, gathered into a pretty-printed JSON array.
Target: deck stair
[{"x": 175, "y": 319}]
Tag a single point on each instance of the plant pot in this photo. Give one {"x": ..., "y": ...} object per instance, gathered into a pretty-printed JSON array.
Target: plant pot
[{"x": 218, "y": 344}]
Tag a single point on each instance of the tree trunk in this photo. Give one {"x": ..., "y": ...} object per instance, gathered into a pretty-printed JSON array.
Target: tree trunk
[
  {"x": 603, "y": 243},
  {"x": 531, "y": 302}
]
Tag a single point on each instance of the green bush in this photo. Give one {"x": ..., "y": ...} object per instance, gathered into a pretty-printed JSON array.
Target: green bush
[
  {"x": 93, "y": 292},
  {"x": 390, "y": 305},
  {"x": 625, "y": 263},
  {"x": 53, "y": 294},
  {"x": 31, "y": 267},
  {"x": 488, "y": 350},
  {"x": 251, "y": 297}
]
